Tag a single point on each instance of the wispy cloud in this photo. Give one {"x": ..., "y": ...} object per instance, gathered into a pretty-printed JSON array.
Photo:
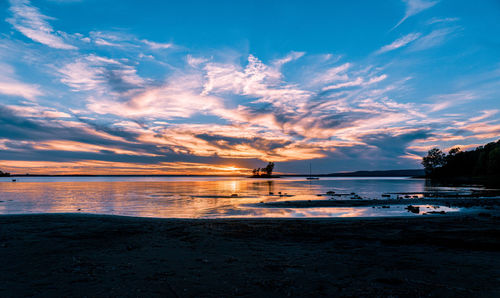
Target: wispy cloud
[
  {"x": 124, "y": 40},
  {"x": 485, "y": 114},
  {"x": 37, "y": 111},
  {"x": 28, "y": 20},
  {"x": 195, "y": 61},
  {"x": 157, "y": 45},
  {"x": 290, "y": 57},
  {"x": 433, "y": 39},
  {"x": 359, "y": 81},
  {"x": 174, "y": 99},
  {"x": 413, "y": 7},
  {"x": 14, "y": 88},
  {"x": 332, "y": 74},
  {"x": 10, "y": 85},
  {"x": 441, "y": 20},
  {"x": 258, "y": 80},
  {"x": 444, "y": 101},
  {"x": 73, "y": 146},
  {"x": 399, "y": 43},
  {"x": 100, "y": 74}
]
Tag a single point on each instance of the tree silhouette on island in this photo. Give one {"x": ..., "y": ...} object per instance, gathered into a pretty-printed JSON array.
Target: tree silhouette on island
[{"x": 266, "y": 172}]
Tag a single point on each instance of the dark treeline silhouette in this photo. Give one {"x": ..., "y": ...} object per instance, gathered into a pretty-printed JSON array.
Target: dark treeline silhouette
[
  {"x": 484, "y": 161},
  {"x": 264, "y": 172},
  {"x": 386, "y": 173},
  {"x": 4, "y": 174}
]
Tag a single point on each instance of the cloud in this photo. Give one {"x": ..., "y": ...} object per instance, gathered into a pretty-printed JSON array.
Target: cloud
[
  {"x": 288, "y": 58},
  {"x": 485, "y": 114},
  {"x": 172, "y": 100},
  {"x": 37, "y": 111},
  {"x": 30, "y": 123},
  {"x": 157, "y": 45},
  {"x": 13, "y": 88},
  {"x": 445, "y": 101},
  {"x": 72, "y": 146},
  {"x": 99, "y": 167},
  {"x": 195, "y": 61},
  {"x": 337, "y": 73},
  {"x": 10, "y": 86},
  {"x": 400, "y": 42},
  {"x": 276, "y": 120},
  {"x": 356, "y": 82},
  {"x": 414, "y": 7},
  {"x": 28, "y": 20},
  {"x": 126, "y": 41},
  {"x": 433, "y": 39},
  {"x": 103, "y": 42},
  {"x": 258, "y": 81},
  {"x": 111, "y": 39},
  {"x": 101, "y": 75},
  {"x": 231, "y": 141},
  {"x": 261, "y": 116},
  {"x": 482, "y": 128},
  {"x": 442, "y": 20},
  {"x": 359, "y": 81},
  {"x": 217, "y": 108}
]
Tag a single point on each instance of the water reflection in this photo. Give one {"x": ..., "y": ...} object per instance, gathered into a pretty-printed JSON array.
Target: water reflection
[
  {"x": 394, "y": 210},
  {"x": 193, "y": 197}
]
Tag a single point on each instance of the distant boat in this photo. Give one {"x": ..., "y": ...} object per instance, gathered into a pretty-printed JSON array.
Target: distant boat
[{"x": 310, "y": 175}]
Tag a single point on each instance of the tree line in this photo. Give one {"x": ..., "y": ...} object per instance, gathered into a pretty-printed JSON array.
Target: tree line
[{"x": 482, "y": 161}]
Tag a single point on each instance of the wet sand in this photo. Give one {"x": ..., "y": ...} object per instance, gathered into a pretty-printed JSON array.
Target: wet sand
[{"x": 110, "y": 256}]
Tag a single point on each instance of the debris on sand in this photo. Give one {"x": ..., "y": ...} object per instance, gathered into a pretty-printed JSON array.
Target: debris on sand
[
  {"x": 413, "y": 209},
  {"x": 436, "y": 212}
]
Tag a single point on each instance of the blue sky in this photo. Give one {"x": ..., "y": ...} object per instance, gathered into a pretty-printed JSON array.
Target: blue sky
[{"x": 223, "y": 86}]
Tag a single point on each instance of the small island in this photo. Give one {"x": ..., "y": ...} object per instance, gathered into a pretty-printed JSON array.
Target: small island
[
  {"x": 4, "y": 174},
  {"x": 266, "y": 172}
]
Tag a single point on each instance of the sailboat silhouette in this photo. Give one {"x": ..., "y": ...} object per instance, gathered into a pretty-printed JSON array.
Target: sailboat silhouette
[{"x": 310, "y": 174}]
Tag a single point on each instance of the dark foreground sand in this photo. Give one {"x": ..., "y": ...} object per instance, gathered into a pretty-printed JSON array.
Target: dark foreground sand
[{"x": 107, "y": 256}]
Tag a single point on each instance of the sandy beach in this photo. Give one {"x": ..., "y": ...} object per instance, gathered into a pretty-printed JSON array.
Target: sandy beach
[{"x": 110, "y": 256}]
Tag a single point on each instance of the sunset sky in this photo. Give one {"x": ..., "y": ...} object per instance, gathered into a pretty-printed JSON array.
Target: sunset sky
[{"x": 199, "y": 87}]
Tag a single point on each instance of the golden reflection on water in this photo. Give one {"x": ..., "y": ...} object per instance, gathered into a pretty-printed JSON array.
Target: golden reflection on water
[{"x": 188, "y": 198}]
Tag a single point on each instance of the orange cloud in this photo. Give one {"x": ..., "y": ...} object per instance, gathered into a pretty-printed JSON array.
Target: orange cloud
[
  {"x": 96, "y": 167},
  {"x": 63, "y": 145}
]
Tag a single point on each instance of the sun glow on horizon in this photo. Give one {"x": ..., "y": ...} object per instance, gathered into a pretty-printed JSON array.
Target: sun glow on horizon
[{"x": 96, "y": 167}]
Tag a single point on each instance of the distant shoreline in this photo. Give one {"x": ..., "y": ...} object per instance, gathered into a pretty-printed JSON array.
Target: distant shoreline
[{"x": 388, "y": 173}]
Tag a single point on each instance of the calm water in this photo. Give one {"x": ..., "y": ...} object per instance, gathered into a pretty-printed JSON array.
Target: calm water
[{"x": 197, "y": 197}]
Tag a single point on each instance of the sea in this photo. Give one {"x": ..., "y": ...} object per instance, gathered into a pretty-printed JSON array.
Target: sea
[{"x": 209, "y": 197}]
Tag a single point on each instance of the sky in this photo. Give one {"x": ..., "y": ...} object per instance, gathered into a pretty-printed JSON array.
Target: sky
[{"x": 220, "y": 87}]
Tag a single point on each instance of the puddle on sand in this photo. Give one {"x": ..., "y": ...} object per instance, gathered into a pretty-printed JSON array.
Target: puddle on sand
[{"x": 378, "y": 211}]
